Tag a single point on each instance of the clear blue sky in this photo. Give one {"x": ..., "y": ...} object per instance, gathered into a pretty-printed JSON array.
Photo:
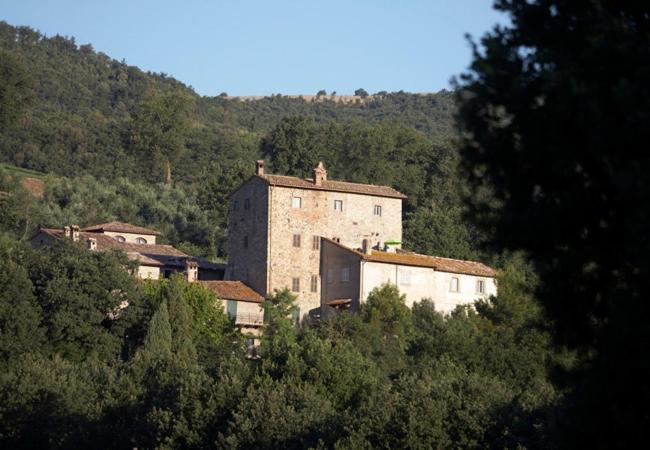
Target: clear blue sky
[{"x": 261, "y": 47}]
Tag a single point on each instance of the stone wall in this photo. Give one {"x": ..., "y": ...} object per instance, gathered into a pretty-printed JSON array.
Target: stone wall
[
  {"x": 318, "y": 217},
  {"x": 248, "y": 235}
]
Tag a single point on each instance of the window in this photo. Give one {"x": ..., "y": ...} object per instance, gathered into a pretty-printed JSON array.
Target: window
[
  {"x": 231, "y": 308},
  {"x": 296, "y": 202},
  {"x": 455, "y": 284},
  {"x": 345, "y": 275},
  {"x": 140, "y": 240},
  {"x": 295, "y": 284},
  {"x": 315, "y": 245},
  {"x": 480, "y": 286},
  {"x": 120, "y": 238},
  {"x": 314, "y": 283},
  {"x": 338, "y": 205},
  {"x": 296, "y": 240},
  {"x": 377, "y": 210},
  {"x": 330, "y": 276},
  {"x": 235, "y": 205},
  {"x": 247, "y": 203},
  {"x": 337, "y": 240},
  {"x": 245, "y": 241}
]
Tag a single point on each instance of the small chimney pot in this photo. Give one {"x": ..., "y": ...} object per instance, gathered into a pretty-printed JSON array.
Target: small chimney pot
[{"x": 259, "y": 168}]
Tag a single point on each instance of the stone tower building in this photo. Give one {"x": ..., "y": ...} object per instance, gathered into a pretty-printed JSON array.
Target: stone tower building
[{"x": 276, "y": 223}]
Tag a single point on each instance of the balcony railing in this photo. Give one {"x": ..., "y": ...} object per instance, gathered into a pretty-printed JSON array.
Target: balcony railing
[{"x": 255, "y": 320}]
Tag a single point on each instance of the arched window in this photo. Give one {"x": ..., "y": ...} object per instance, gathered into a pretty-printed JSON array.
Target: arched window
[
  {"x": 140, "y": 240},
  {"x": 120, "y": 238}
]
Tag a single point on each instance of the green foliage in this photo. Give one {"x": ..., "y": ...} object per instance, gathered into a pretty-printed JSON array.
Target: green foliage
[
  {"x": 158, "y": 342},
  {"x": 553, "y": 116},
  {"x": 15, "y": 88},
  {"x": 157, "y": 130}
]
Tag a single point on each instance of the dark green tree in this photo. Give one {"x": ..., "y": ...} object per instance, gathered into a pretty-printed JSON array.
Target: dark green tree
[
  {"x": 554, "y": 122},
  {"x": 15, "y": 88},
  {"x": 159, "y": 128},
  {"x": 291, "y": 147},
  {"x": 361, "y": 93}
]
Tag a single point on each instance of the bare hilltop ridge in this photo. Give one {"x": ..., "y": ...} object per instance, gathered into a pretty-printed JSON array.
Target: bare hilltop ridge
[{"x": 319, "y": 98}]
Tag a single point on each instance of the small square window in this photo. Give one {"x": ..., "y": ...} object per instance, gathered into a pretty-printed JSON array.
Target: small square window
[
  {"x": 315, "y": 245},
  {"x": 480, "y": 286},
  {"x": 296, "y": 240},
  {"x": 455, "y": 284},
  {"x": 345, "y": 275},
  {"x": 247, "y": 203},
  {"x": 377, "y": 210},
  {"x": 314, "y": 283},
  {"x": 295, "y": 284},
  {"x": 338, "y": 205},
  {"x": 296, "y": 202},
  {"x": 235, "y": 205}
]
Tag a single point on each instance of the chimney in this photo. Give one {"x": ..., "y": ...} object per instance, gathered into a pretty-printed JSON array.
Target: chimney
[
  {"x": 67, "y": 232},
  {"x": 91, "y": 244},
  {"x": 320, "y": 174},
  {"x": 259, "y": 167},
  {"x": 366, "y": 247},
  {"x": 75, "y": 233},
  {"x": 191, "y": 270}
]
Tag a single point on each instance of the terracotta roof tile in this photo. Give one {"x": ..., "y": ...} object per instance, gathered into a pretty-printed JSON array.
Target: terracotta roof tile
[
  {"x": 233, "y": 290},
  {"x": 143, "y": 260},
  {"x": 335, "y": 186},
  {"x": 415, "y": 259},
  {"x": 436, "y": 262},
  {"x": 121, "y": 227}
]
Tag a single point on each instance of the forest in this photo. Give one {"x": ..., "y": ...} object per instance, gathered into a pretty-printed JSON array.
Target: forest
[{"x": 536, "y": 163}]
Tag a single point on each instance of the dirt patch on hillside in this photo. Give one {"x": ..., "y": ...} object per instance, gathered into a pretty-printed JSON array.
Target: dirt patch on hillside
[{"x": 35, "y": 186}]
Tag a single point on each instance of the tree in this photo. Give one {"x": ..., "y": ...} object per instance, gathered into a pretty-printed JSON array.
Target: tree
[
  {"x": 159, "y": 128},
  {"x": 15, "y": 88},
  {"x": 361, "y": 93},
  {"x": 554, "y": 120},
  {"x": 291, "y": 146},
  {"x": 158, "y": 342},
  {"x": 321, "y": 93},
  {"x": 20, "y": 315}
]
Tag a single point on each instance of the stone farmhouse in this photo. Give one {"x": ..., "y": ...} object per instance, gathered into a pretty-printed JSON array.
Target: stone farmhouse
[
  {"x": 332, "y": 242},
  {"x": 157, "y": 261}
]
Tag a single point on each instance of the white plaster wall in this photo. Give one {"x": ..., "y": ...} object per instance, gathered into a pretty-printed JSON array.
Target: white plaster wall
[
  {"x": 425, "y": 283},
  {"x": 446, "y": 300},
  {"x": 149, "y": 272}
]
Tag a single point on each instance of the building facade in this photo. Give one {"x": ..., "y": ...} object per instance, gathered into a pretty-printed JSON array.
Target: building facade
[
  {"x": 277, "y": 222},
  {"x": 155, "y": 261},
  {"x": 350, "y": 275}
]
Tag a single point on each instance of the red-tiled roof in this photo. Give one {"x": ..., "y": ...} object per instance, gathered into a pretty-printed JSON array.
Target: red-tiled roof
[
  {"x": 335, "y": 186},
  {"x": 436, "y": 262},
  {"x": 415, "y": 259},
  {"x": 233, "y": 290},
  {"x": 143, "y": 260},
  {"x": 150, "y": 254},
  {"x": 121, "y": 227}
]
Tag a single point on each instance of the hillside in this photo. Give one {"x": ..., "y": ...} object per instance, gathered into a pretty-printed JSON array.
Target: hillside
[
  {"x": 102, "y": 128},
  {"x": 84, "y": 105}
]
